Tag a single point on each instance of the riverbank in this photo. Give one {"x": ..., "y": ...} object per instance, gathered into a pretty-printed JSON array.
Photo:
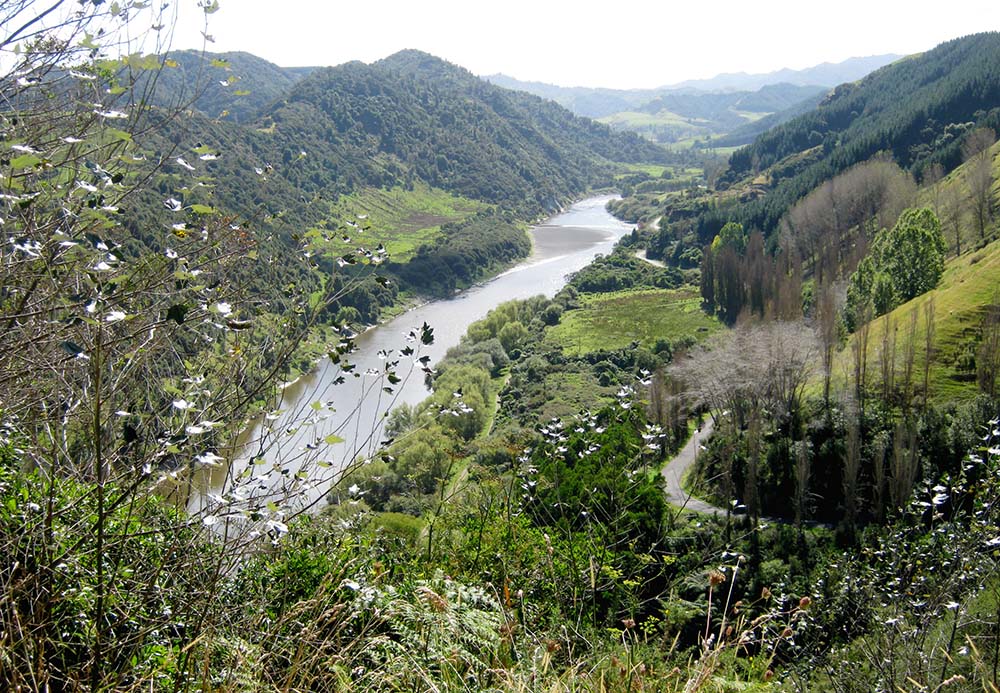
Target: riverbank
[{"x": 350, "y": 407}]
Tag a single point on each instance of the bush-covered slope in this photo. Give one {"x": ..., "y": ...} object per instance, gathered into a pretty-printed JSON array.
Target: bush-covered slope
[{"x": 414, "y": 116}]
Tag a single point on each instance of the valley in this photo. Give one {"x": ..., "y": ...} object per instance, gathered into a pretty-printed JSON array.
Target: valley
[{"x": 385, "y": 377}]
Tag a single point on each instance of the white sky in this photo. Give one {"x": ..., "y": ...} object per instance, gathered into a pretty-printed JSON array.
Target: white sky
[{"x": 620, "y": 43}]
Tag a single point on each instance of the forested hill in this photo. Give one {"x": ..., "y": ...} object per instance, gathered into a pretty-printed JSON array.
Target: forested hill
[
  {"x": 413, "y": 116},
  {"x": 234, "y": 86},
  {"x": 917, "y": 109},
  {"x": 463, "y": 160}
]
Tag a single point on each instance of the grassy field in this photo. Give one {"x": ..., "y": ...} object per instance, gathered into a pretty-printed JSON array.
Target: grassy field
[
  {"x": 635, "y": 119},
  {"x": 653, "y": 170},
  {"x": 402, "y": 220},
  {"x": 614, "y": 320}
]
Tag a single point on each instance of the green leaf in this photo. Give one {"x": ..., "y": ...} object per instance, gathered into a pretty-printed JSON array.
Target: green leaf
[
  {"x": 119, "y": 135},
  {"x": 317, "y": 405},
  {"x": 202, "y": 209},
  {"x": 25, "y": 161},
  {"x": 333, "y": 439}
]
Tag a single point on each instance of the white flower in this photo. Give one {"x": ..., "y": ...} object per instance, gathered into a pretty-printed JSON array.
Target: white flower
[
  {"x": 276, "y": 526},
  {"x": 182, "y": 404},
  {"x": 209, "y": 459},
  {"x": 114, "y": 316}
]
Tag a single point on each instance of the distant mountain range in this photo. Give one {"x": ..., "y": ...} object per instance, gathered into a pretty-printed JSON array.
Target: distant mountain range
[
  {"x": 824, "y": 75},
  {"x": 728, "y": 104}
]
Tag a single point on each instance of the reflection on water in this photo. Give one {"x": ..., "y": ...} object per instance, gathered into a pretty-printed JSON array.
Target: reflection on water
[{"x": 292, "y": 451}]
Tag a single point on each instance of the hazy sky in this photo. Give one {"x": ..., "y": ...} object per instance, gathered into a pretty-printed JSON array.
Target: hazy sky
[{"x": 617, "y": 43}]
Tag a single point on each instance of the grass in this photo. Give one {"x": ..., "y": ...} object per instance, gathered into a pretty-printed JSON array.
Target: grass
[
  {"x": 615, "y": 320},
  {"x": 970, "y": 283},
  {"x": 955, "y": 184},
  {"x": 750, "y": 116},
  {"x": 636, "y": 119},
  {"x": 569, "y": 392},
  {"x": 653, "y": 170},
  {"x": 402, "y": 220}
]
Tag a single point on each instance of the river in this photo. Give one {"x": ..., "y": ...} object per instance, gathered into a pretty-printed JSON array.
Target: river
[{"x": 320, "y": 426}]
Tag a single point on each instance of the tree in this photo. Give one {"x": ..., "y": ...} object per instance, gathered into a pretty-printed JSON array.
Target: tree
[
  {"x": 752, "y": 368},
  {"x": 978, "y": 153},
  {"x": 127, "y": 366},
  {"x": 904, "y": 262},
  {"x": 952, "y": 211},
  {"x": 731, "y": 236},
  {"x": 988, "y": 353},
  {"x": 826, "y": 332},
  {"x": 839, "y": 214},
  {"x": 912, "y": 253}
]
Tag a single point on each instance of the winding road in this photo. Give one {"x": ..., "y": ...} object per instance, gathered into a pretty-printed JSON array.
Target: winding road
[{"x": 674, "y": 470}]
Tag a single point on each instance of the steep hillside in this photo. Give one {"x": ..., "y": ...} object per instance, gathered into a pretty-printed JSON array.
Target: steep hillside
[
  {"x": 438, "y": 163},
  {"x": 916, "y": 109},
  {"x": 966, "y": 307},
  {"x": 674, "y": 116},
  {"x": 739, "y": 105},
  {"x": 748, "y": 132}
]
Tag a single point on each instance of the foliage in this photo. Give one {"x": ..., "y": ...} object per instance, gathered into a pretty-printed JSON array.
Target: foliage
[
  {"x": 903, "y": 263},
  {"x": 622, "y": 270}
]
